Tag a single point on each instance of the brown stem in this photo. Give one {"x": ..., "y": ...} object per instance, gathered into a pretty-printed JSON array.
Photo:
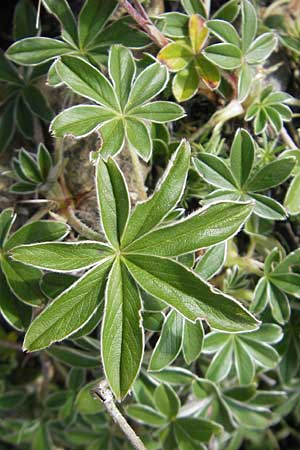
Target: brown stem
[
  {"x": 103, "y": 393},
  {"x": 139, "y": 14}
]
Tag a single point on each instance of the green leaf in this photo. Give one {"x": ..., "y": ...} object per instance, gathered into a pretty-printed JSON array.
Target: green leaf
[
  {"x": 24, "y": 21},
  {"x": 188, "y": 294},
  {"x": 152, "y": 211},
  {"x": 85, "y": 403},
  {"x": 159, "y": 112},
  {"x": 226, "y": 56},
  {"x": 138, "y": 137},
  {"x": 249, "y": 24},
  {"x": 263, "y": 354},
  {"x": 62, "y": 11},
  {"x": 7, "y": 126},
  {"x": 212, "y": 261},
  {"x": 92, "y": 18},
  {"x": 40, "y": 230},
  {"x": 8, "y": 73},
  {"x": 292, "y": 198},
  {"x": 69, "y": 311},
  {"x": 245, "y": 82},
  {"x": 174, "y": 24},
  {"x": 197, "y": 429},
  {"x": 173, "y": 375},
  {"x": 24, "y": 281},
  {"x": 166, "y": 401},
  {"x": 86, "y": 80},
  {"x": 37, "y": 103},
  {"x": 271, "y": 175},
  {"x": 288, "y": 282},
  {"x": 122, "y": 70},
  {"x": 268, "y": 208},
  {"x": 7, "y": 218},
  {"x": 243, "y": 363},
  {"x": 42, "y": 438},
  {"x": 250, "y": 416},
  {"x": 146, "y": 415},
  {"x": 79, "y": 120},
  {"x": 279, "y": 303},
  {"x": 24, "y": 118},
  {"x": 260, "y": 298},
  {"x": 208, "y": 72},
  {"x": 113, "y": 137},
  {"x": 228, "y": 11},
  {"x": 54, "y": 283},
  {"x": 185, "y": 83},
  {"x": 44, "y": 161},
  {"x": 29, "y": 166},
  {"x": 113, "y": 200},
  {"x": 192, "y": 340},
  {"x": 221, "y": 363},
  {"x": 150, "y": 82},
  {"x": 62, "y": 256},
  {"x": 169, "y": 344},
  {"x": 207, "y": 226},
  {"x": 261, "y": 48},
  {"x": 16, "y": 313},
  {"x": 36, "y": 50},
  {"x": 224, "y": 31},
  {"x": 194, "y": 7},
  {"x": 176, "y": 55},
  {"x": 74, "y": 357},
  {"x": 122, "y": 333},
  {"x": 214, "y": 341},
  {"x": 214, "y": 171},
  {"x": 269, "y": 333},
  {"x": 242, "y": 156}
]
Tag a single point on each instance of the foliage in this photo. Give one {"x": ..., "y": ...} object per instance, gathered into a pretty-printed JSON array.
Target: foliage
[{"x": 157, "y": 305}]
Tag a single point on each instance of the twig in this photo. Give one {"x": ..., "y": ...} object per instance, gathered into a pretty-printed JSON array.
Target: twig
[
  {"x": 11, "y": 345},
  {"x": 103, "y": 392},
  {"x": 287, "y": 139},
  {"x": 233, "y": 109},
  {"x": 142, "y": 19},
  {"x": 139, "y": 179},
  {"x": 80, "y": 227}
]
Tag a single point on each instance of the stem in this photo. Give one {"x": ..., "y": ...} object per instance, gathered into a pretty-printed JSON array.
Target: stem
[
  {"x": 287, "y": 139},
  {"x": 139, "y": 14},
  {"x": 80, "y": 227},
  {"x": 233, "y": 109},
  {"x": 103, "y": 392},
  {"x": 138, "y": 174}
]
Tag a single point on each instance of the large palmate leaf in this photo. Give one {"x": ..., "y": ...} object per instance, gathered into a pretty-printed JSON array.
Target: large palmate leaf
[
  {"x": 125, "y": 109},
  {"x": 122, "y": 271}
]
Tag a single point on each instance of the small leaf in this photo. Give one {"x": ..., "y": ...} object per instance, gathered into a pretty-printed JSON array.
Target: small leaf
[
  {"x": 122, "y": 70},
  {"x": 113, "y": 200},
  {"x": 40, "y": 230},
  {"x": 279, "y": 304},
  {"x": 197, "y": 429},
  {"x": 169, "y": 344},
  {"x": 268, "y": 208},
  {"x": 80, "y": 120},
  {"x": 113, "y": 137},
  {"x": 249, "y": 24},
  {"x": 198, "y": 33},
  {"x": 214, "y": 171},
  {"x": 138, "y": 137},
  {"x": 188, "y": 294},
  {"x": 175, "y": 56},
  {"x": 242, "y": 156},
  {"x": 243, "y": 363},
  {"x": 292, "y": 198},
  {"x": 86, "y": 80},
  {"x": 186, "y": 83},
  {"x": 207, "y": 226},
  {"x": 92, "y": 18},
  {"x": 226, "y": 56},
  {"x": 261, "y": 48},
  {"x": 271, "y": 175},
  {"x": 122, "y": 334},
  {"x": 192, "y": 341},
  {"x": 74, "y": 357},
  {"x": 159, "y": 112},
  {"x": 36, "y": 50},
  {"x": 221, "y": 363},
  {"x": 245, "y": 82},
  {"x": 166, "y": 401},
  {"x": 7, "y": 218},
  {"x": 152, "y": 211},
  {"x": 24, "y": 21},
  {"x": 37, "y": 103},
  {"x": 208, "y": 72},
  {"x": 44, "y": 161},
  {"x": 146, "y": 415},
  {"x": 150, "y": 82},
  {"x": 62, "y": 256},
  {"x": 69, "y": 311},
  {"x": 211, "y": 263},
  {"x": 62, "y": 11},
  {"x": 224, "y": 31}
]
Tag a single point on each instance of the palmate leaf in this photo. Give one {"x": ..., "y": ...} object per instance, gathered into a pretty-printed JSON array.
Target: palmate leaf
[
  {"x": 122, "y": 274},
  {"x": 124, "y": 109}
]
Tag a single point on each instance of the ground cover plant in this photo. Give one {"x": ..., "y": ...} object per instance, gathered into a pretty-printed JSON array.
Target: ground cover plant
[{"x": 149, "y": 225}]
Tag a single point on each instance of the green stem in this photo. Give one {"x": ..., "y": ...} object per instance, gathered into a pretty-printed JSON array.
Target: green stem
[{"x": 81, "y": 228}]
